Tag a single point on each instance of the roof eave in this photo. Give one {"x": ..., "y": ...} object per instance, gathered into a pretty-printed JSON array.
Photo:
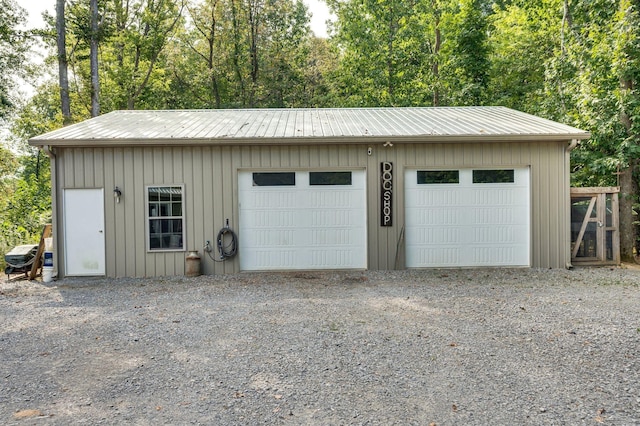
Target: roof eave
[{"x": 351, "y": 140}]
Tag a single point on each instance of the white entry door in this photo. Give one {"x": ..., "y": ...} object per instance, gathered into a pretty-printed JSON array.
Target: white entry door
[
  {"x": 302, "y": 220},
  {"x": 84, "y": 244}
]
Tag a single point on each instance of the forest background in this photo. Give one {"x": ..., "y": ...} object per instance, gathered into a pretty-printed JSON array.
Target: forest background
[{"x": 573, "y": 61}]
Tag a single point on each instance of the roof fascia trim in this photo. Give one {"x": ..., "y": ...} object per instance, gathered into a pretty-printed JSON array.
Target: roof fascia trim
[{"x": 361, "y": 140}]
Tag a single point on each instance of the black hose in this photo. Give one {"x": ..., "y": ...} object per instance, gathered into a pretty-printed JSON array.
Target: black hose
[{"x": 227, "y": 251}]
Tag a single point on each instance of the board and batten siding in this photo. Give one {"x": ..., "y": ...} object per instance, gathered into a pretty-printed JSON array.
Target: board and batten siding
[{"x": 209, "y": 175}]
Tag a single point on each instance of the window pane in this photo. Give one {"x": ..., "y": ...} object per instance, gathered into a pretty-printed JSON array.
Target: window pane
[
  {"x": 176, "y": 225},
  {"x": 330, "y": 178},
  {"x": 155, "y": 226},
  {"x": 438, "y": 176},
  {"x": 176, "y": 209},
  {"x": 153, "y": 194},
  {"x": 493, "y": 176},
  {"x": 155, "y": 243},
  {"x": 274, "y": 179}
]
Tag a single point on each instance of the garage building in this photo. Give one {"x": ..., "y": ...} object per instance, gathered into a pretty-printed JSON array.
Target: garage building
[{"x": 306, "y": 189}]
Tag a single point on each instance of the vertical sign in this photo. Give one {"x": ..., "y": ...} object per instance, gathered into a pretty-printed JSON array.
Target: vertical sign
[{"x": 386, "y": 183}]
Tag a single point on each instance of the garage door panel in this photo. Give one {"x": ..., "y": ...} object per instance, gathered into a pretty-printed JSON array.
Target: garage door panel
[
  {"x": 492, "y": 235},
  {"x": 437, "y": 216},
  {"x": 257, "y": 238},
  {"x": 437, "y": 197},
  {"x": 321, "y": 226},
  {"x": 265, "y": 259},
  {"x": 493, "y": 216},
  {"x": 497, "y": 256},
  {"x": 332, "y": 259},
  {"x": 442, "y": 256},
  {"x": 452, "y": 235},
  {"x": 493, "y": 196},
  {"x": 333, "y": 237},
  {"x": 262, "y": 199},
  {"x": 338, "y": 199},
  {"x": 467, "y": 223},
  {"x": 269, "y": 219}
]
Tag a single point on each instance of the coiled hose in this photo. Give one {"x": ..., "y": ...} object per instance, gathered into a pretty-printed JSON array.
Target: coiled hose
[{"x": 227, "y": 251}]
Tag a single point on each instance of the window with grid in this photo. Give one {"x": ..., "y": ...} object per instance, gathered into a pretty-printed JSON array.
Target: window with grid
[{"x": 166, "y": 218}]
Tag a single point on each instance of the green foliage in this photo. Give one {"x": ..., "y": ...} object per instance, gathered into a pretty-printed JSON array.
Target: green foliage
[
  {"x": 28, "y": 205},
  {"x": 524, "y": 36},
  {"x": 25, "y": 201},
  {"x": 25, "y": 176},
  {"x": 242, "y": 54},
  {"x": 388, "y": 50},
  {"x": 467, "y": 53},
  {"x": 13, "y": 49}
]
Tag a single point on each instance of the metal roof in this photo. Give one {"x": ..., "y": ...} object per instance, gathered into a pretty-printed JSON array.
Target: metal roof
[{"x": 309, "y": 126}]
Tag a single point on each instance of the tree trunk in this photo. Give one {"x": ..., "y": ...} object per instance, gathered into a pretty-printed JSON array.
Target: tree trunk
[
  {"x": 436, "y": 69},
  {"x": 436, "y": 52},
  {"x": 236, "y": 52},
  {"x": 95, "y": 81},
  {"x": 628, "y": 196},
  {"x": 211, "y": 37},
  {"x": 629, "y": 192},
  {"x": 65, "y": 104},
  {"x": 254, "y": 31}
]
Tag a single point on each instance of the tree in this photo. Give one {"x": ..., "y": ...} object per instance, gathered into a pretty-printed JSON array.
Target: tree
[
  {"x": 322, "y": 61},
  {"x": 467, "y": 53},
  {"x": 241, "y": 54},
  {"x": 591, "y": 82},
  {"x": 524, "y": 37},
  {"x": 130, "y": 37},
  {"x": 61, "y": 40},
  {"x": 285, "y": 55},
  {"x": 93, "y": 55},
  {"x": 207, "y": 25},
  {"x": 13, "y": 48},
  {"x": 389, "y": 51},
  {"x": 626, "y": 67},
  {"x": 25, "y": 188}
]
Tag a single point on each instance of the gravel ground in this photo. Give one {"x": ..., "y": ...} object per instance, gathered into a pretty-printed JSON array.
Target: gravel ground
[{"x": 443, "y": 347}]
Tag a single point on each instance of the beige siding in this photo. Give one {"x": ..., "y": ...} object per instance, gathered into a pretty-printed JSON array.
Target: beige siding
[{"x": 209, "y": 175}]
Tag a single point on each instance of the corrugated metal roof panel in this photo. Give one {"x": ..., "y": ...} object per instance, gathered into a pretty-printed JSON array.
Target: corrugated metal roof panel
[{"x": 310, "y": 125}]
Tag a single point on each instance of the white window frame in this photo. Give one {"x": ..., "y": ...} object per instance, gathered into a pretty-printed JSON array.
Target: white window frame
[{"x": 149, "y": 217}]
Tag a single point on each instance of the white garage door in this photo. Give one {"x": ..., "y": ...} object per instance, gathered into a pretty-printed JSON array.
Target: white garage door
[
  {"x": 467, "y": 217},
  {"x": 302, "y": 220}
]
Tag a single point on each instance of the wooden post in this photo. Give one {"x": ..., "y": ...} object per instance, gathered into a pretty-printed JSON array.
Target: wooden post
[{"x": 46, "y": 233}]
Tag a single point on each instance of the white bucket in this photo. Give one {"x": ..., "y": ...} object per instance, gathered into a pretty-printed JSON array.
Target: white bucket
[{"x": 47, "y": 274}]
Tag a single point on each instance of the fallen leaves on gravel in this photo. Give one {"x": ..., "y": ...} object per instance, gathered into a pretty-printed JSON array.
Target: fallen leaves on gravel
[{"x": 26, "y": 414}]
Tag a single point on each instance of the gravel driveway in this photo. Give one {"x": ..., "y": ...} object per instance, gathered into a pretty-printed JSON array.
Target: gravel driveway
[{"x": 443, "y": 347}]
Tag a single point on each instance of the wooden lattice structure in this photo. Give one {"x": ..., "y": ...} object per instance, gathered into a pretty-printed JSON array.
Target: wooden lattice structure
[{"x": 595, "y": 236}]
